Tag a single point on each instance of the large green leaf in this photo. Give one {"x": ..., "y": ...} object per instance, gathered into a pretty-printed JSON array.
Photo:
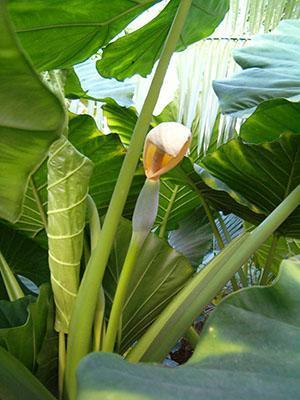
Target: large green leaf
[
  {"x": 31, "y": 119},
  {"x": 24, "y": 256},
  {"x": 60, "y": 34},
  {"x": 270, "y": 69},
  {"x": 136, "y": 52},
  {"x": 16, "y": 382},
  {"x": 23, "y": 326},
  {"x": 270, "y": 120},
  {"x": 248, "y": 349},
  {"x": 263, "y": 174},
  {"x": 159, "y": 274}
]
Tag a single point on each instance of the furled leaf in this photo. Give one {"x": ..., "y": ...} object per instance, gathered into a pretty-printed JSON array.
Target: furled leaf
[
  {"x": 263, "y": 174},
  {"x": 24, "y": 256},
  {"x": 23, "y": 325},
  {"x": 69, "y": 173},
  {"x": 270, "y": 69},
  {"x": 136, "y": 52},
  {"x": 16, "y": 381},
  {"x": 31, "y": 119},
  {"x": 159, "y": 274},
  {"x": 60, "y": 34},
  {"x": 270, "y": 120},
  {"x": 248, "y": 349},
  {"x": 193, "y": 238}
]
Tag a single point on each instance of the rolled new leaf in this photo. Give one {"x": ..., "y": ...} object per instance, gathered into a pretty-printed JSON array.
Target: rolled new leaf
[{"x": 69, "y": 173}]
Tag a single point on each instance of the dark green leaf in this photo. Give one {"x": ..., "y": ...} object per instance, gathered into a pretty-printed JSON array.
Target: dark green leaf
[
  {"x": 193, "y": 238},
  {"x": 248, "y": 349},
  {"x": 270, "y": 120},
  {"x": 23, "y": 326},
  {"x": 136, "y": 52},
  {"x": 60, "y": 34},
  {"x": 270, "y": 69},
  {"x": 16, "y": 381},
  {"x": 24, "y": 256},
  {"x": 31, "y": 119},
  {"x": 159, "y": 274}
]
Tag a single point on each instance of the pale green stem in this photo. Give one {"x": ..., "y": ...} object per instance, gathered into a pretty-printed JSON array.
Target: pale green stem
[
  {"x": 224, "y": 228},
  {"x": 121, "y": 291},
  {"x": 264, "y": 276},
  {"x": 243, "y": 277},
  {"x": 187, "y": 305},
  {"x": 12, "y": 286},
  {"x": 99, "y": 321},
  {"x": 192, "y": 336},
  {"x": 163, "y": 226},
  {"x": 61, "y": 363},
  {"x": 83, "y": 313}
]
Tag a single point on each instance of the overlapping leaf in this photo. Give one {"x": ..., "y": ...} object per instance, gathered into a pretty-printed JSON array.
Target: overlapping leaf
[
  {"x": 263, "y": 174},
  {"x": 136, "y": 52},
  {"x": 60, "y": 34},
  {"x": 270, "y": 69},
  {"x": 248, "y": 349},
  {"x": 159, "y": 274},
  {"x": 31, "y": 119}
]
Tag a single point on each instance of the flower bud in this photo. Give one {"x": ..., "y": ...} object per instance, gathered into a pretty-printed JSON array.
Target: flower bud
[{"x": 165, "y": 146}]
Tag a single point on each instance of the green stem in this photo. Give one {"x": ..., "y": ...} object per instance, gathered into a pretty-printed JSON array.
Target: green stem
[
  {"x": 224, "y": 228},
  {"x": 192, "y": 336},
  {"x": 264, "y": 276},
  {"x": 99, "y": 321},
  {"x": 61, "y": 362},
  {"x": 187, "y": 305},
  {"x": 83, "y": 312},
  {"x": 124, "y": 280},
  {"x": 163, "y": 226},
  {"x": 12, "y": 286}
]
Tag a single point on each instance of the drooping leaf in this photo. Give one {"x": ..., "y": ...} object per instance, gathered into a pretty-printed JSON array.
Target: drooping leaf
[
  {"x": 60, "y": 34},
  {"x": 248, "y": 349},
  {"x": 136, "y": 52},
  {"x": 159, "y": 274},
  {"x": 120, "y": 120},
  {"x": 270, "y": 69},
  {"x": 84, "y": 81},
  {"x": 270, "y": 120},
  {"x": 31, "y": 119},
  {"x": 193, "y": 238},
  {"x": 23, "y": 325},
  {"x": 69, "y": 173},
  {"x": 24, "y": 256},
  {"x": 16, "y": 381},
  {"x": 263, "y": 174}
]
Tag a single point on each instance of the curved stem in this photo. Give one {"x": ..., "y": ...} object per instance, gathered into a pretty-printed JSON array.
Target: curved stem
[
  {"x": 83, "y": 313},
  {"x": 124, "y": 280},
  {"x": 12, "y": 286},
  {"x": 192, "y": 336}
]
